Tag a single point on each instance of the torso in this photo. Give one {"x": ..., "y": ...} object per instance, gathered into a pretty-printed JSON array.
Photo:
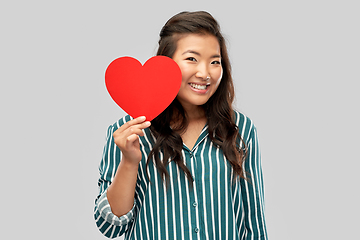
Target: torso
[{"x": 172, "y": 212}]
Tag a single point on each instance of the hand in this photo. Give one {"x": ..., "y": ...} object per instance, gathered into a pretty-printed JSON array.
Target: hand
[{"x": 127, "y": 139}]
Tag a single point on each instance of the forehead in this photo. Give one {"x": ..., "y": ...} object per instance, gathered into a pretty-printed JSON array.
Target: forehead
[{"x": 204, "y": 43}]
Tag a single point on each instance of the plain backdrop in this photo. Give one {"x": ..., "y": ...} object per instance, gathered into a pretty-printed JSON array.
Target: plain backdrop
[{"x": 296, "y": 71}]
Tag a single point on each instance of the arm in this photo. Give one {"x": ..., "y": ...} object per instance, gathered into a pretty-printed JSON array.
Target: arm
[
  {"x": 121, "y": 192},
  {"x": 252, "y": 191},
  {"x": 114, "y": 206}
]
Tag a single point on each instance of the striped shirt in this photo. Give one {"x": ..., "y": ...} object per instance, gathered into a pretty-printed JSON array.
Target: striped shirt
[{"x": 215, "y": 207}]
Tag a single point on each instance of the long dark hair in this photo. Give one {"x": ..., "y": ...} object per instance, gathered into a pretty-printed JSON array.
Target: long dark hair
[{"x": 218, "y": 110}]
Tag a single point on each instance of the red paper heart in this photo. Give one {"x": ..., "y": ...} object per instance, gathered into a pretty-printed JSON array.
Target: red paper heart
[{"x": 143, "y": 90}]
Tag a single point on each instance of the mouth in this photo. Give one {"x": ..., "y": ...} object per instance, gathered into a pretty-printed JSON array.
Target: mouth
[{"x": 199, "y": 86}]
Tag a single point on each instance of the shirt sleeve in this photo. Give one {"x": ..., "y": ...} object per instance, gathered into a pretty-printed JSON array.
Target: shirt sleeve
[
  {"x": 108, "y": 223},
  {"x": 252, "y": 191}
]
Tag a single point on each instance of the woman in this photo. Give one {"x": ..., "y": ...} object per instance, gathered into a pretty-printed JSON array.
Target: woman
[{"x": 194, "y": 172}]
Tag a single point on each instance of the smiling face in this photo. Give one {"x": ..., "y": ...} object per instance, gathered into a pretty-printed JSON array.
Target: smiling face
[{"x": 198, "y": 57}]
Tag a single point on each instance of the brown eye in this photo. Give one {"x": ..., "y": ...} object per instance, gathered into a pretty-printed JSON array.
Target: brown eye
[
  {"x": 216, "y": 62},
  {"x": 191, "y": 59}
]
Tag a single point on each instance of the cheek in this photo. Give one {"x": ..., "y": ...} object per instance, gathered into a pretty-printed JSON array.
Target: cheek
[
  {"x": 183, "y": 68},
  {"x": 185, "y": 72},
  {"x": 217, "y": 75}
]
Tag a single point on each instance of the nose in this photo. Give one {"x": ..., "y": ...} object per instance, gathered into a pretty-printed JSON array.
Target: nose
[{"x": 202, "y": 72}]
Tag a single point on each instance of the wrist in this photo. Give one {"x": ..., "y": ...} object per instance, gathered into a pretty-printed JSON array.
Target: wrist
[{"x": 129, "y": 165}]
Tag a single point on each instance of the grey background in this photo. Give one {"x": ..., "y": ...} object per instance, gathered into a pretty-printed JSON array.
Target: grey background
[{"x": 296, "y": 68}]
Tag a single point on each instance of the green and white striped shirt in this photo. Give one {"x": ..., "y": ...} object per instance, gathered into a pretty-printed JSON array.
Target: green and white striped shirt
[{"x": 216, "y": 207}]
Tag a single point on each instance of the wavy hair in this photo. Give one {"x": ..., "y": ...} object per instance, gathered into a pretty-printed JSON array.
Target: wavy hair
[{"x": 218, "y": 110}]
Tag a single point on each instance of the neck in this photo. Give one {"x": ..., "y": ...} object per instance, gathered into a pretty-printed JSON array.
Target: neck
[{"x": 194, "y": 113}]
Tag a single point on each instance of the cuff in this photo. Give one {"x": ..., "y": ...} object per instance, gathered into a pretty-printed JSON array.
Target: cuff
[{"x": 105, "y": 212}]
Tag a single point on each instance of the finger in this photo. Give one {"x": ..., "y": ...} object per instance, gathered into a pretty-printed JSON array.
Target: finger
[
  {"x": 145, "y": 125},
  {"x": 135, "y": 121},
  {"x": 133, "y": 130},
  {"x": 132, "y": 138},
  {"x": 124, "y": 141},
  {"x": 132, "y": 122}
]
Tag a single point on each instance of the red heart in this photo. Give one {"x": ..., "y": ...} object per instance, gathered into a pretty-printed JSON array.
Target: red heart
[{"x": 143, "y": 90}]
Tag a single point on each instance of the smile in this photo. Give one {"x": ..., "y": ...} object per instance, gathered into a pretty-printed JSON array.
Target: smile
[{"x": 198, "y": 86}]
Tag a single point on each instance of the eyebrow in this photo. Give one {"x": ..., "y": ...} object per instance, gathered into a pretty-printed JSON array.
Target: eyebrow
[{"x": 196, "y": 53}]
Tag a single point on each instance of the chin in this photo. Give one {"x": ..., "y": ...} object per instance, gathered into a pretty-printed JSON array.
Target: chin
[{"x": 200, "y": 102}]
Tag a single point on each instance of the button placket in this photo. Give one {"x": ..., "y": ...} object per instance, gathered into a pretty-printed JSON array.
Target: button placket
[{"x": 194, "y": 203}]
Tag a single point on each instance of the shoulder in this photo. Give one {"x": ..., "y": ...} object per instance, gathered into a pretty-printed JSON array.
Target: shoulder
[
  {"x": 242, "y": 121},
  {"x": 245, "y": 124}
]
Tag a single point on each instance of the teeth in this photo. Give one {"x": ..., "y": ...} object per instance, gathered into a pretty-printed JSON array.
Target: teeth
[{"x": 197, "y": 86}]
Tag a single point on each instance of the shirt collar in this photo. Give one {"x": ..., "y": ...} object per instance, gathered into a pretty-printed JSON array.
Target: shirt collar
[{"x": 204, "y": 133}]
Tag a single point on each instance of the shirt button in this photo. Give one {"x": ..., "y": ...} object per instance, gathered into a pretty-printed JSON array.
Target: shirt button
[
  {"x": 195, "y": 204},
  {"x": 196, "y": 230}
]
